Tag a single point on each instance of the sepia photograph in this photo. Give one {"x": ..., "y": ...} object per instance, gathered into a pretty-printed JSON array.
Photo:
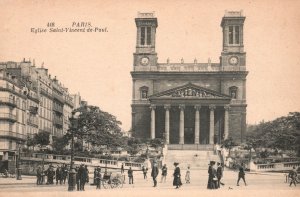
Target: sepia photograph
[{"x": 149, "y": 98}]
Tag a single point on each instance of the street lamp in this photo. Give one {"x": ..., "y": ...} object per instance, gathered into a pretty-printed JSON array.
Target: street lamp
[
  {"x": 19, "y": 170},
  {"x": 72, "y": 174}
]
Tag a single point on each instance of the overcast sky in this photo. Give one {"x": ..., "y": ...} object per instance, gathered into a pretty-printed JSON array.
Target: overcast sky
[{"x": 98, "y": 65}]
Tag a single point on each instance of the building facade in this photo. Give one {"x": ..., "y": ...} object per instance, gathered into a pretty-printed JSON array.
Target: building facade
[
  {"x": 30, "y": 102},
  {"x": 189, "y": 103}
]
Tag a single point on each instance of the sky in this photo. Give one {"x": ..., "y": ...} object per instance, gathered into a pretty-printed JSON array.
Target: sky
[{"x": 98, "y": 64}]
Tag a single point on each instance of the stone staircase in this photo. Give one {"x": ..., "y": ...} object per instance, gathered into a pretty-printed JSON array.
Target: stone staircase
[{"x": 196, "y": 158}]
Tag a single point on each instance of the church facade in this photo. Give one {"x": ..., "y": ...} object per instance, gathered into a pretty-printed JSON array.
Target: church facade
[{"x": 189, "y": 103}]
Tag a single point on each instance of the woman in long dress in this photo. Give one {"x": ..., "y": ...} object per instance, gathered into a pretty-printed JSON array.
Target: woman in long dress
[{"x": 177, "y": 176}]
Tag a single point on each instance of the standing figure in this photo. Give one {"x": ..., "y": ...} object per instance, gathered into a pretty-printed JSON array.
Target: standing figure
[
  {"x": 64, "y": 173},
  {"x": 154, "y": 173},
  {"x": 293, "y": 175},
  {"x": 177, "y": 176},
  {"x": 39, "y": 176},
  {"x": 130, "y": 176},
  {"x": 219, "y": 174},
  {"x": 164, "y": 172},
  {"x": 98, "y": 178},
  {"x": 95, "y": 176},
  {"x": 145, "y": 170},
  {"x": 210, "y": 183},
  {"x": 77, "y": 178},
  {"x": 122, "y": 168},
  {"x": 188, "y": 175},
  {"x": 87, "y": 174},
  {"x": 82, "y": 176},
  {"x": 241, "y": 176},
  {"x": 58, "y": 174}
]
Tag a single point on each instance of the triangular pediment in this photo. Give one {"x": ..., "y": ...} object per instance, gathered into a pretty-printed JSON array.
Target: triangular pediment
[{"x": 190, "y": 91}]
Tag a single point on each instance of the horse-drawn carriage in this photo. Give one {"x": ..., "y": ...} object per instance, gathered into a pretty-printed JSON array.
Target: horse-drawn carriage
[{"x": 112, "y": 180}]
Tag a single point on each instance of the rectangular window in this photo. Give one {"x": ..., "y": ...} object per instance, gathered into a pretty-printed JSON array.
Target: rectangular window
[
  {"x": 143, "y": 35},
  {"x": 230, "y": 34},
  {"x": 148, "y": 35},
  {"x": 237, "y": 34}
]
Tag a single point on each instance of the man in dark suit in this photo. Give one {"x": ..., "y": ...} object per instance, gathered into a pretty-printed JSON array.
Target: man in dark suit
[
  {"x": 219, "y": 174},
  {"x": 154, "y": 173}
]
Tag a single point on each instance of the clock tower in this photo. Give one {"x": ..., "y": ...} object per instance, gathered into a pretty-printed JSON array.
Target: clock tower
[
  {"x": 145, "y": 54},
  {"x": 233, "y": 55}
]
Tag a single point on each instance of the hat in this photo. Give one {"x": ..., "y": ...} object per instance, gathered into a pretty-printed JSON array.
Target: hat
[
  {"x": 175, "y": 163},
  {"x": 212, "y": 163}
]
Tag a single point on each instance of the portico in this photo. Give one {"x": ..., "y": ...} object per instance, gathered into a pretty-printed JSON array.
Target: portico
[{"x": 189, "y": 115}]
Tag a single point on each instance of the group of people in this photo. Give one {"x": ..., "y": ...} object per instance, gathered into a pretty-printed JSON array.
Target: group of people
[
  {"x": 82, "y": 176},
  {"x": 215, "y": 174},
  {"x": 60, "y": 174}
]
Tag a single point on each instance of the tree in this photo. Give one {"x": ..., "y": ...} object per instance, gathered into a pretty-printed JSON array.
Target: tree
[
  {"x": 42, "y": 138},
  {"x": 282, "y": 133},
  {"x": 134, "y": 146},
  {"x": 96, "y": 127},
  {"x": 229, "y": 144},
  {"x": 31, "y": 142},
  {"x": 59, "y": 144}
]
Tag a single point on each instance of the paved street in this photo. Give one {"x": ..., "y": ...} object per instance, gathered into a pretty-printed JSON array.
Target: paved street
[{"x": 272, "y": 183}]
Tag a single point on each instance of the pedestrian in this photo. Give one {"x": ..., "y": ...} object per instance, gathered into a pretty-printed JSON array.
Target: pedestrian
[
  {"x": 164, "y": 172},
  {"x": 98, "y": 178},
  {"x": 210, "y": 183},
  {"x": 39, "y": 176},
  {"x": 77, "y": 178},
  {"x": 83, "y": 176},
  {"x": 219, "y": 174},
  {"x": 87, "y": 174},
  {"x": 187, "y": 175},
  {"x": 154, "y": 173},
  {"x": 145, "y": 170},
  {"x": 95, "y": 176},
  {"x": 177, "y": 176},
  {"x": 293, "y": 175},
  {"x": 64, "y": 173},
  {"x": 130, "y": 175},
  {"x": 58, "y": 175},
  {"x": 122, "y": 168},
  {"x": 50, "y": 175},
  {"x": 241, "y": 176}
]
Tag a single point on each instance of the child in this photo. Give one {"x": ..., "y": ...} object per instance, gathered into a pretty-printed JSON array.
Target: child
[{"x": 187, "y": 175}]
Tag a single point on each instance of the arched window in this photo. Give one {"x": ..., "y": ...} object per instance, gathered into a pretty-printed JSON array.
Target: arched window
[
  {"x": 233, "y": 92},
  {"x": 144, "y": 92}
]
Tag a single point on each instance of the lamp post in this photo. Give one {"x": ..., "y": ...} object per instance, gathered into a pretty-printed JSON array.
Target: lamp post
[
  {"x": 72, "y": 174},
  {"x": 19, "y": 170}
]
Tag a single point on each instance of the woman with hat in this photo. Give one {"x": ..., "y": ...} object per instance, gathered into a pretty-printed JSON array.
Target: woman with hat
[
  {"x": 176, "y": 174},
  {"x": 211, "y": 175}
]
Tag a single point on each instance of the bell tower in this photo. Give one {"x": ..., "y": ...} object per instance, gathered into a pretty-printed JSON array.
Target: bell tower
[
  {"x": 145, "y": 54},
  {"x": 233, "y": 54}
]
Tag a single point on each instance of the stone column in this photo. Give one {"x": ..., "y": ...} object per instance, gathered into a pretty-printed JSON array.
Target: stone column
[
  {"x": 226, "y": 122},
  {"x": 197, "y": 123},
  {"x": 152, "y": 107},
  {"x": 167, "y": 123},
  {"x": 181, "y": 124},
  {"x": 212, "y": 124}
]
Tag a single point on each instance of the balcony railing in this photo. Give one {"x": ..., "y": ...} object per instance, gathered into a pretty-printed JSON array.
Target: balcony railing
[
  {"x": 58, "y": 97},
  {"x": 46, "y": 93},
  {"x": 8, "y": 101},
  {"x": 11, "y": 134},
  {"x": 8, "y": 116},
  {"x": 13, "y": 89}
]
